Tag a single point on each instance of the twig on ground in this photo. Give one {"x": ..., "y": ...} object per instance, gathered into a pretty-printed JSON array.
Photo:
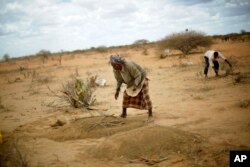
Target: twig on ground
[
  {"x": 53, "y": 92},
  {"x": 152, "y": 161},
  {"x": 104, "y": 123},
  {"x": 148, "y": 161},
  {"x": 67, "y": 94}
]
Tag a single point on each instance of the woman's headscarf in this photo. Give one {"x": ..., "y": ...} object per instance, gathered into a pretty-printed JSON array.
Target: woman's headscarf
[{"x": 116, "y": 59}]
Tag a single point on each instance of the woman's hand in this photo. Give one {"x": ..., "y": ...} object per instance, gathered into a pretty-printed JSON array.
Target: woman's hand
[{"x": 116, "y": 95}]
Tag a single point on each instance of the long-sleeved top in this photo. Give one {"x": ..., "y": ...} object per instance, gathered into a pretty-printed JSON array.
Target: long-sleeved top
[
  {"x": 130, "y": 74},
  {"x": 210, "y": 55}
]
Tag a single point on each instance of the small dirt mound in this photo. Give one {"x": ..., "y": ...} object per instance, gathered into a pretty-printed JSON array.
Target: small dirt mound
[
  {"x": 93, "y": 127},
  {"x": 150, "y": 141}
]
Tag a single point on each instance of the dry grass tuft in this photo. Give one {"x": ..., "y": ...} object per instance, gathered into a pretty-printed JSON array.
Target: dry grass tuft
[
  {"x": 80, "y": 93},
  {"x": 76, "y": 92}
]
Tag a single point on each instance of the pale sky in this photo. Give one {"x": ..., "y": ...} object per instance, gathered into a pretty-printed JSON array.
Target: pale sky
[{"x": 28, "y": 26}]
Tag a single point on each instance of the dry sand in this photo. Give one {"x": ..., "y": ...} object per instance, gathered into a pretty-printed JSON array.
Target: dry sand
[{"x": 196, "y": 120}]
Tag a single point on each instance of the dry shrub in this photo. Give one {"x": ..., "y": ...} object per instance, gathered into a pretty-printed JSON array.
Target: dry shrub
[
  {"x": 141, "y": 42},
  {"x": 80, "y": 93},
  {"x": 22, "y": 68},
  {"x": 29, "y": 74},
  {"x": 44, "y": 55},
  {"x": 6, "y": 57},
  {"x": 36, "y": 77},
  {"x": 101, "y": 49},
  {"x": 185, "y": 41}
]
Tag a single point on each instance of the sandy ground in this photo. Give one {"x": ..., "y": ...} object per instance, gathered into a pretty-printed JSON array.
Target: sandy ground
[{"x": 196, "y": 120}]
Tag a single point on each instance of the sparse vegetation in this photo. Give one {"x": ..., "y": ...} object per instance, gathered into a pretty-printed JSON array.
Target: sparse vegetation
[
  {"x": 185, "y": 41},
  {"x": 6, "y": 57},
  {"x": 79, "y": 93},
  {"x": 234, "y": 37},
  {"x": 44, "y": 54},
  {"x": 21, "y": 68},
  {"x": 141, "y": 41},
  {"x": 66, "y": 119},
  {"x": 29, "y": 74},
  {"x": 101, "y": 49},
  {"x": 34, "y": 75}
]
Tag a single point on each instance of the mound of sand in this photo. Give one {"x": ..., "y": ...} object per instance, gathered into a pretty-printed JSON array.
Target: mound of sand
[
  {"x": 93, "y": 127},
  {"x": 149, "y": 141}
]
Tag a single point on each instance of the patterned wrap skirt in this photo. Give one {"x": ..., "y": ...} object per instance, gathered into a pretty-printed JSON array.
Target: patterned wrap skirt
[{"x": 141, "y": 101}]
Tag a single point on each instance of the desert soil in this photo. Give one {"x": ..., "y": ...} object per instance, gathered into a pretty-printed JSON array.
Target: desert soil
[{"x": 197, "y": 120}]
